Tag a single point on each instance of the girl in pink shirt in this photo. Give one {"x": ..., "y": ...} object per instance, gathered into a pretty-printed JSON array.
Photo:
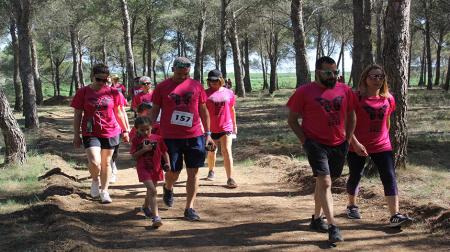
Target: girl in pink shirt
[
  {"x": 371, "y": 138},
  {"x": 98, "y": 114},
  {"x": 220, "y": 104}
]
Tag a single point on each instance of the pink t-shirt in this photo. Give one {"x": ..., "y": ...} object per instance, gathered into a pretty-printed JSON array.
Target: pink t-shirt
[
  {"x": 371, "y": 130},
  {"x": 141, "y": 98},
  {"x": 180, "y": 118},
  {"x": 219, "y": 106},
  {"x": 120, "y": 87},
  {"x": 98, "y": 111},
  {"x": 148, "y": 165},
  {"x": 123, "y": 100},
  {"x": 323, "y": 111}
]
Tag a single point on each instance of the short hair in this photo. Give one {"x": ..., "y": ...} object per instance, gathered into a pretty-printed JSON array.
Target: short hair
[
  {"x": 324, "y": 59},
  {"x": 143, "y": 106},
  {"x": 100, "y": 69},
  {"x": 142, "y": 120}
]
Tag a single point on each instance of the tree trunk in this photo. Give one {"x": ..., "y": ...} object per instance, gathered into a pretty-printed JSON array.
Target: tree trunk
[
  {"x": 36, "y": 76},
  {"x": 148, "y": 29},
  {"x": 80, "y": 62},
  {"x": 127, "y": 41},
  {"x": 263, "y": 66},
  {"x": 58, "y": 77},
  {"x": 52, "y": 65},
  {"x": 319, "y": 36},
  {"x": 246, "y": 64},
  {"x": 273, "y": 59},
  {"x": 104, "y": 53},
  {"x": 362, "y": 42},
  {"x": 301, "y": 62},
  {"x": 144, "y": 57},
  {"x": 438, "y": 58},
  {"x": 234, "y": 41},
  {"x": 428, "y": 45},
  {"x": 75, "y": 70},
  {"x": 379, "y": 22},
  {"x": 15, "y": 146},
  {"x": 16, "y": 78},
  {"x": 422, "y": 65},
  {"x": 343, "y": 57},
  {"x": 23, "y": 17},
  {"x": 395, "y": 52},
  {"x": 223, "y": 37},
  {"x": 447, "y": 79},
  {"x": 201, "y": 28}
]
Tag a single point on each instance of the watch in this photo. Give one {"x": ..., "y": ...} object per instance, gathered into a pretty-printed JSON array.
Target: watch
[{"x": 208, "y": 133}]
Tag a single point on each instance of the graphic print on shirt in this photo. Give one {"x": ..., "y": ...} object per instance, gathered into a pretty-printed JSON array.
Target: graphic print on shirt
[
  {"x": 376, "y": 116},
  {"x": 101, "y": 105},
  {"x": 185, "y": 98},
  {"x": 333, "y": 108}
]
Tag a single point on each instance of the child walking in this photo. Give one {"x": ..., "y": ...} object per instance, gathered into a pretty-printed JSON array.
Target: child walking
[{"x": 148, "y": 149}]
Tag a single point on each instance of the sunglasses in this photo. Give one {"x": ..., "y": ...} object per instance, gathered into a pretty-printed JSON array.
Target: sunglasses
[
  {"x": 101, "y": 80},
  {"x": 146, "y": 83},
  {"x": 182, "y": 65},
  {"x": 376, "y": 76},
  {"x": 212, "y": 80},
  {"x": 329, "y": 72}
]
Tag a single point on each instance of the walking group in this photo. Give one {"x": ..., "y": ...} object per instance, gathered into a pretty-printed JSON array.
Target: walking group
[{"x": 180, "y": 124}]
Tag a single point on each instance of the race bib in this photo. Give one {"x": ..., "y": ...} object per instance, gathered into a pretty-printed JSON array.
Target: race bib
[{"x": 182, "y": 118}]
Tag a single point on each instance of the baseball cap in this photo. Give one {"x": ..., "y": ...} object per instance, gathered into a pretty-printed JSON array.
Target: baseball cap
[{"x": 214, "y": 74}]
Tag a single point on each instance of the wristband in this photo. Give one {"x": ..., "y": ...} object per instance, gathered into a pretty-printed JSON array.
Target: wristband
[{"x": 208, "y": 133}]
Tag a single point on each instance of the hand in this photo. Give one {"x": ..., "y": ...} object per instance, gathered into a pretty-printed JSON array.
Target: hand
[
  {"x": 125, "y": 137},
  {"x": 360, "y": 150},
  {"x": 210, "y": 142},
  {"x": 166, "y": 167},
  {"x": 235, "y": 130},
  {"x": 76, "y": 141},
  {"x": 147, "y": 146}
]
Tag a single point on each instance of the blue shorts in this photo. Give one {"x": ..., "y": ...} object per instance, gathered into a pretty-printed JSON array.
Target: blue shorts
[{"x": 192, "y": 150}]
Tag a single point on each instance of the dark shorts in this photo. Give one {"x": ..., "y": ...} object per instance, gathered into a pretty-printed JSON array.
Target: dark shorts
[
  {"x": 192, "y": 150},
  {"x": 217, "y": 136},
  {"x": 325, "y": 159},
  {"x": 104, "y": 143}
]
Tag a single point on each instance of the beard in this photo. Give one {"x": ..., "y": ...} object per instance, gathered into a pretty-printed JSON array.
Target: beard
[{"x": 329, "y": 83}]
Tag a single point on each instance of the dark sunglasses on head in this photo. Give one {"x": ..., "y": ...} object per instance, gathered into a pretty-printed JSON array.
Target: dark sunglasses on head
[
  {"x": 182, "y": 65},
  {"x": 329, "y": 72},
  {"x": 376, "y": 76},
  {"x": 101, "y": 80}
]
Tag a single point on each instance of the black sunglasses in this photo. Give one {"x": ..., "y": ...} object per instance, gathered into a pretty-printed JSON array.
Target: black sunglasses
[
  {"x": 146, "y": 83},
  {"x": 101, "y": 80},
  {"x": 182, "y": 65}
]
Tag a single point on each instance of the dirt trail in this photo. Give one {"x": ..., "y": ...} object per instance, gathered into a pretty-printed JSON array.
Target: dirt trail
[{"x": 262, "y": 214}]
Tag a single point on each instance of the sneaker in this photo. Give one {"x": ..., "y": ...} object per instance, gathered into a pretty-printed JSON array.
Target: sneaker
[
  {"x": 156, "y": 222},
  {"x": 334, "y": 234},
  {"x": 191, "y": 215},
  {"x": 104, "y": 197},
  {"x": 400, "y": 220},
  {"x": 167, "y": 196},
  {"x": 95, "y": 189},
  {"x": 231, "y": 183},
  {"x": 353, "y": 212},
  {"x": 113, "y": 178},
  {"x": 147, "y": 212},
  {"x": 210, "y": 176},
  {"x": 318, "y": 225}
]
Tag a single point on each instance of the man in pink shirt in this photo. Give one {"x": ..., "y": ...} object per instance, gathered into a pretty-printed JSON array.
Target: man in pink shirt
[
  {"x": 326, "y": 108},
  {"x": 182, "y": 102}
]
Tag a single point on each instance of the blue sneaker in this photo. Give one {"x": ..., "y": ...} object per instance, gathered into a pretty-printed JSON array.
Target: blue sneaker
[
  {"x": 191, "y": 215},
  {"x": 353, "y": 212},
  {"x": 156, "y": 222},
  {"x": 167, "y": 196},
  {"x": 147, "y": 212}
]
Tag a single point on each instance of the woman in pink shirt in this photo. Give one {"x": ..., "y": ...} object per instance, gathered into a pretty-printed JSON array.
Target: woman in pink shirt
[
  {"x": 371, "y": 138},
  {"x": 220, "y": 104},
  {"x": 98, "y": 113}
]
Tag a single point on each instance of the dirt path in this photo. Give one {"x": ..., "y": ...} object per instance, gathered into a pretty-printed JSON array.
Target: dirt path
[{"x": 262, "y": 214}]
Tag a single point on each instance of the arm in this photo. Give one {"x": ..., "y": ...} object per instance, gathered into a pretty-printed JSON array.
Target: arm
[
  {"x": 140, "y": 152},
  {"x": 350, "y": 125},
  {"x": 295, "y": 126},
  {"x": 78, "y": 114},
  {"x": 123, "y": 123},
  {"x": 233, "y": 117},
  {"x": 204, "y": 115},
  {"x": 154, "y": 112},
  {"x": 166, "y": 158}
]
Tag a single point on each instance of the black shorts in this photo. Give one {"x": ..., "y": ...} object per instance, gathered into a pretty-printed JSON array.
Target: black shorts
[
  {"x": 325, "y": 159},
  {"x": 104, "y": 143},
  {"x": 192, "y": 150},
  {"x": 217, "y": 136}
]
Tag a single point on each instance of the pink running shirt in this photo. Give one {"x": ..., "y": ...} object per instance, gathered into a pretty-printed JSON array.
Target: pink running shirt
[
  {"x": 98, "y": 111},
  {"x": 219, "y": 106},
  {"x": 148, "y": 165},
  {"x": 120, "y": 87},
  {"x": 323, "y": 111},
  {"x": 372, "y": 114},
  {"x": 141, "y": 98},
  {"x": 180, "y": 118}
]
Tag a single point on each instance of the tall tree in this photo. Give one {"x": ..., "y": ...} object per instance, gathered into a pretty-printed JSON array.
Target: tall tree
[
  {"x": 362, "y": 42},
  {"x": 301, "y": 62},
  {"x": 22, "y": 9},
  {"x": 36, "y": 76},
  {"x": 234, "y": 41},
  {"x": 15, "y": 146},
  {"x": 223, "y": 36},
  {"x": 16, "y": 78},
  {"x": 426, "y": 7},
  {"x": 201, "y": 29},
  {"x": 127, "y": 41},
  {"x": 395, "y": 53}
]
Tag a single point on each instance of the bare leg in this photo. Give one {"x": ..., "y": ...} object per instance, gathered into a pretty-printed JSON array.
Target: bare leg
[
  {"x": 105, "y": 171},
  {"x": 392, "y": 202},
  {"x": 325, "y": 198},
  {"x": 150, "y": 200},
  {"x": 352, "y": 200},
  {"x": 94, "y": 161},
  {"x": 317, "y": 204},
  {"x": 225, "y": 147},
  {"x": 170, "y": 179},
  {"x": 191, "y": 186}
]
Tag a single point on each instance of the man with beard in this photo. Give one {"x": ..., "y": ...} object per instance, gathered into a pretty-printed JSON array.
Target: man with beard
[{"x": 326, "y": 108}]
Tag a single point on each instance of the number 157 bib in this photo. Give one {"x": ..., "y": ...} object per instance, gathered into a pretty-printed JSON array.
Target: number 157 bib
[{"x": 182, "y": 118}]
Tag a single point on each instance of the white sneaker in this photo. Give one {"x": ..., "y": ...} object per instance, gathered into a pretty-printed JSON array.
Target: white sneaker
[
  {"x": 104, "y": 196},
  {"x": 95, "y": 191},
  {"x": 113, "y": 178}
]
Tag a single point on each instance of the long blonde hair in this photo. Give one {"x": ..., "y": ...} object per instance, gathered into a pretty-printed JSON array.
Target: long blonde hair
[{"x": 362, "y": 85}]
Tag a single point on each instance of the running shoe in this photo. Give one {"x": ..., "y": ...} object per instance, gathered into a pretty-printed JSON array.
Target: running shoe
[
  {"x": 334, "y": 234},
  {"x": 191, "y": 215},
  {"x": 147, "y": 212},
  {"x": 95, "y": 189},
  {"x": 400, "y": 220},
  {"x": 113, "y": 178},
  {"x": 156, "y": 222},
  {"x": 353, "y": 212},
  {"x": 231, "y": 183},
  {"x": 210, "y": 176},
  {"x": 105, "y": 198},
  {"x": 167, "y": 196},
  {"x": 318, "y": 225}
]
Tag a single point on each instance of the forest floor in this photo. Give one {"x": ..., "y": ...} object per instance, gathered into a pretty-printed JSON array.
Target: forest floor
[{"x": 269, "y": 211}]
